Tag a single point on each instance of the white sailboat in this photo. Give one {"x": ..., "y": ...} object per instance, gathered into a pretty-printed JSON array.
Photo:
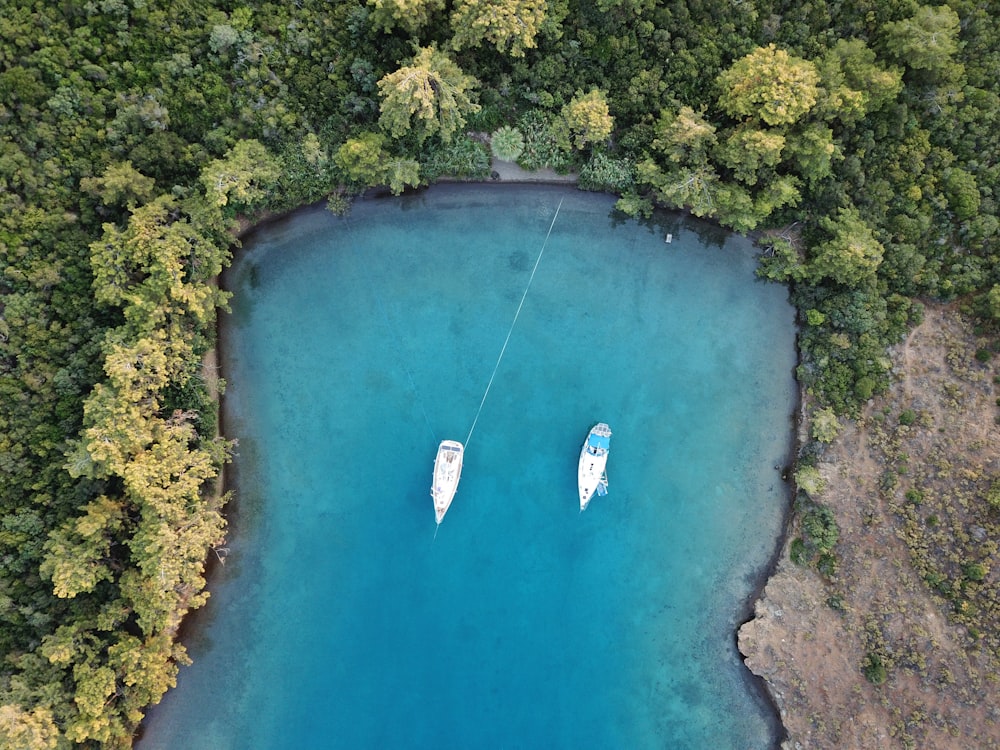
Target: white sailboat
[
  {"x": 447, "y": 472},
  {"x": 592, "y": 475}
]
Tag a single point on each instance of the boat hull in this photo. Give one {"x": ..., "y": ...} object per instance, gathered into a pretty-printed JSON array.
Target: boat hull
[
  {"x": 447, "y": 473},
  {"x": 592, "y": 475}
]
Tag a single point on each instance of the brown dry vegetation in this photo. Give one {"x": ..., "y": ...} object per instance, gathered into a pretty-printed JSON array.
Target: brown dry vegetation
[{"x": 915, "y": 587}]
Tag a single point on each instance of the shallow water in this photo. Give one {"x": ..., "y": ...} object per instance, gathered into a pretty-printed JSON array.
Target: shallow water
[{"x": 354, "y": 346}]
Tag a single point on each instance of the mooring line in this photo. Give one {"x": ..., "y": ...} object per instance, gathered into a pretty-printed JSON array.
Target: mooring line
[{"x": 509, "y": 332}]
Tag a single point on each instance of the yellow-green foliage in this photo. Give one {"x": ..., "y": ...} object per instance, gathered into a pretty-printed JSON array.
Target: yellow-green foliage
[
  {"x": 243, "y": 177},
  {"x": 585, "y": 120},
  {"x": 747, "y": 150},
  {"x": 28, "y": 730},
  {"x": 429, "y": 96},
  {"x": 409, "y": 15},
  {"x": 825, "y": 425},
  {"x": 509, "y": 25},
  {"x": 771, "y": 85},
  {"x": 809, "y": 480},
  {"x": 365, "y": 162}
]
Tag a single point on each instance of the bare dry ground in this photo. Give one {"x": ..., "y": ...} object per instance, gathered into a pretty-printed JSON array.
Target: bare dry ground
[{"x": 917, "y": 581}]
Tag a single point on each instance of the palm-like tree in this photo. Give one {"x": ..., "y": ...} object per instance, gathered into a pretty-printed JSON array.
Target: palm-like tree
[{"x": 507, "y": 143}]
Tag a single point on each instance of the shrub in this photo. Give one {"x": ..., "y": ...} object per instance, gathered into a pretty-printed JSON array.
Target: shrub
[
  {"x": 603, "y": 173},
  {"x": 825, "y": 426},
  {"x": 874, "y": 670},
  {"x": 827, "y": 564},
  {"x": 908, "y": 417},
  {"x": 815, "y": 317},
  {"x": 338, "y": 204},
  {"x": 462, "y": 158},
  {"x": 797, "y": 551},
  {"x": 810, "y": 453},
  {"x": 865, "y": 387},
  {"x": 820, "y": 528},
  {"x": 487, "y": 119},
  {"x": 993, "y": 494},
  {"x": 888, "y": 480},
  {"x": 975, "y": 571},
  {"x": 809, "y": 480},
  {"x": 540, "y": 147}
]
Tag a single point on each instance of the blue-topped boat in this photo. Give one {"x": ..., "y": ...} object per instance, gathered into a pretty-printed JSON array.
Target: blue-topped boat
[{"x": 592, "y": 475}]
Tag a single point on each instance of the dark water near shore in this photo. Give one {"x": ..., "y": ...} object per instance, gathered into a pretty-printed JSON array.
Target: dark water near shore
[{"x": 354, "y": 346}]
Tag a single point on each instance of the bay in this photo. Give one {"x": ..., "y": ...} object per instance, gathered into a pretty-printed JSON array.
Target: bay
[{"x": 356, "y": 344}]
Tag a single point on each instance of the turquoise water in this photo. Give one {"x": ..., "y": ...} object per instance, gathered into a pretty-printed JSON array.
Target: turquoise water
[{"x": 354, "y": 346}]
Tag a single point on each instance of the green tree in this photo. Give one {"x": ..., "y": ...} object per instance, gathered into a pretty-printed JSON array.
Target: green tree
[
  {"x": 96, "y": 686},
  {"x": 163, "y": 479},
  {"x": 993, "y": 302},
  {"x": 34, "y": 729},
  {"x": 811, "y": 151},
  {"x": 688, "y": 179},
  {"x": 748, "y": 150},
  {"x": 819, "y": 526},
  {"x": 809, "y": 480},
  {"x": 409, "y": 15},
  {"x": 853, "y": 83},
  {"x": 782, "y": 261},
  {"x": 769, "y": 84},
  {"x": 779, "y": 192},
  {"x": 429, "y": 96},
  {"x": 962, "y": 192},
  {"x": 694, "y": 188},
  {"x": 927, "y": 40},
  {"x": 148, "y": 666},
  {"x": 402, "y": 173},
  {"x": 120, "y": 184},
  {"x": 585, "y": 120},
  {"x": 684, "y": 137},
  {"x": 366, "y": 162},
  {"x": 851, "y": 255},
  {"x": 243, "y": 178},
  {"x": 734, "y": 207},
  {"x": 160, "y": 256},
  {"x": 509, "y": 25},
  {"x": 79, "y": 552},
  {"x": 825, "y": 425},
  {"x": 362, "y": 159}
]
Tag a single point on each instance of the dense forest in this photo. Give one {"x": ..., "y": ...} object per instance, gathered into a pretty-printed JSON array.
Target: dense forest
[{"x": 854, "y": 140}]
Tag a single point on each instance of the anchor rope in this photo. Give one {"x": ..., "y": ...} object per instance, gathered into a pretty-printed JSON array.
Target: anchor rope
[{"x": 514, "y": 323}]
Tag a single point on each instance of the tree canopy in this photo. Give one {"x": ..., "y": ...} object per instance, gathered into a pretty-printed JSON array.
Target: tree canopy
[
  {"x": 509, "y": 25},
  {"x": 429, "y": 96},
  {"x": 769, "y": 84}
]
